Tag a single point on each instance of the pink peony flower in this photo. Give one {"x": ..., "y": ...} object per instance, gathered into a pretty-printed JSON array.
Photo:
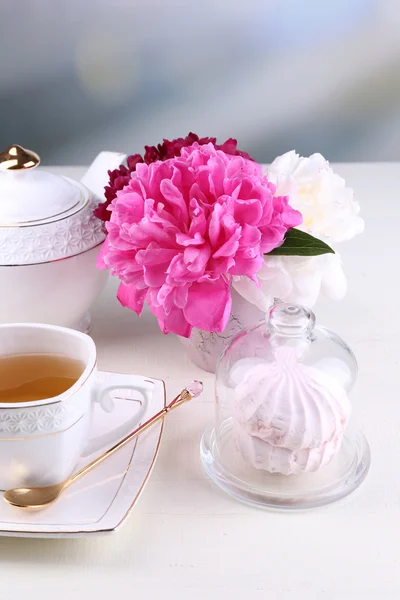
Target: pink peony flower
[
  {"x": 120, "y": 177},
  {"x": 182, "y": 228}
]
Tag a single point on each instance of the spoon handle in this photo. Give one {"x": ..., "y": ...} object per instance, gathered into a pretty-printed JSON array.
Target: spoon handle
[{"x": 184, "y": 396}]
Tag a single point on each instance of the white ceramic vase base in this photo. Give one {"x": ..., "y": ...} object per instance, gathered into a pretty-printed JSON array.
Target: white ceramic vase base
[
  {"x": 226, "y": 467},
  {"x": 204, "y": 348}
]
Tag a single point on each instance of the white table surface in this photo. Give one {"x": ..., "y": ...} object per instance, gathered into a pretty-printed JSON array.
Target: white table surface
[{"x": 186, "y": 539}]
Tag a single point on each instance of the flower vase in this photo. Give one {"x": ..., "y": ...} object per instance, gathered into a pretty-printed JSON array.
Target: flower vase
[{"x": 204, "y": 347}]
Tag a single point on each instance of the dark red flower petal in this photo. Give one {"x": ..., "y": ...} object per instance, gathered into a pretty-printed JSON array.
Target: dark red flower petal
[
  {"x": 132, "y": 161},
  {"x": 101, "y": 211},
  {"x": 151, "y": 154}
]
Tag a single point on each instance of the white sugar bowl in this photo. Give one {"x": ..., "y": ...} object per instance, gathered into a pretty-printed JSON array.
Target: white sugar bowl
[{"x": 49, "y": 240}]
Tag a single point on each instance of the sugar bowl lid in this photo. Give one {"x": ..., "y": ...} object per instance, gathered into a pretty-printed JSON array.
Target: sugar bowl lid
[{"x": 29, "y": 196}]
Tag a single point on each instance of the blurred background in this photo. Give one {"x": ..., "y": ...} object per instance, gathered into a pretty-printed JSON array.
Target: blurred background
[{"x": 79, "y": 76}]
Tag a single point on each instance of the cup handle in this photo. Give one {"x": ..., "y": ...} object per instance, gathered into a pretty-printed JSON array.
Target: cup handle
[{"x": 102, "y": 396}]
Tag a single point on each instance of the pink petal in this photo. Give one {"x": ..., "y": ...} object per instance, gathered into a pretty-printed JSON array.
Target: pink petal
[
  {"x": 219, "y": 266},
  {"x": 154, "y": 275},
  {"x": 216, "y": 176},
  {"x": 101, "y": 262},
  {"x": 248, "y": 211},
  {"x": 230, "y": 247},
  {"x": 174, "y": 322},
  {"x": 199, "y": 222},
  {"x": 130, "y": 208},
  {"x": 181, "y": 295},
  {"x": 164, "y": 297},
  {"x": 131, "y": 297},
  {"x": 178, "y": 271},
  {"x": 175, "y": 198},
  {"x": 215, "y": 224},
  {"x": 196, "y": 258},
  {"x": 208, "y": 305},
  {"x": 289, "y": 217},
  {"x": 163, "y": 233},
  {"x": 251, "y": 236},
  {"x": 187, "y": 240},
  {"x": 196, "y": 195},
  {"x": 154, "y": 255},
  {"x": 246, "y": 264},
  {"x": 271, "y": 237},
  {"x": 131, "y": 274}
]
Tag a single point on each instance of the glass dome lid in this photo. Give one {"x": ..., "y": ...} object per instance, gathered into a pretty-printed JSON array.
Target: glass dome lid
[{"x": 284, "y": 433}]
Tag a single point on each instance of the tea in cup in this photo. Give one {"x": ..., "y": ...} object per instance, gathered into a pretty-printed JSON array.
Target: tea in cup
[{"x": 30, "y": 377}]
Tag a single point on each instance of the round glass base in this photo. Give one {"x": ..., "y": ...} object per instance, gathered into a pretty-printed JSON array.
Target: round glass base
[{"x": 226, "y": 467}]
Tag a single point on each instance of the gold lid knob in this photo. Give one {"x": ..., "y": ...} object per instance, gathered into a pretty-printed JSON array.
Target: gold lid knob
[{"x": 17, "y": 158}]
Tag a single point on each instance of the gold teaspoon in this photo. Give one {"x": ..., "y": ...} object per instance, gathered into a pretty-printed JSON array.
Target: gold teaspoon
[{"x": 36, "y": 498}]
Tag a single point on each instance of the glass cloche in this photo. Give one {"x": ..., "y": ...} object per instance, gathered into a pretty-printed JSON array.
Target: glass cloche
[{"x": 285, "y": 433}]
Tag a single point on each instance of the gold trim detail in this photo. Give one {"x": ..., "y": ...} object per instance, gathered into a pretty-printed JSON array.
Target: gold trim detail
[
  {"x": 27, "y": 406},
  {"x": 55, "y": 260},
  {"x": 36, "y": 437},
  {"x": 46, "y": 220},
  {"x": 81, "y": 204},
  {"x": 122, "y": 521},
  {"x": 135, "y": 445},
  {"x": 17, "y": 158}
]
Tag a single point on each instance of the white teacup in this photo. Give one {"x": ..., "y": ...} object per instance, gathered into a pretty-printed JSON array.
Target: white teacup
[{"x": 42, "y": 441}]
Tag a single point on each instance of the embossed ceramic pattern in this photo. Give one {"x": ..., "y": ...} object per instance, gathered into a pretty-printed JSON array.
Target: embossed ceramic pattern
[
  {"x": 47, "y": 419},
  {"x": 51, "y": 241}
]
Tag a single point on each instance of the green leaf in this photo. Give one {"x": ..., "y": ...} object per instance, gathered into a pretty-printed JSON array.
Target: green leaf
[{"x": 299, "y": 243}]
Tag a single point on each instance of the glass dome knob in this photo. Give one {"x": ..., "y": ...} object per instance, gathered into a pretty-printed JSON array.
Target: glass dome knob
[{"x": 290, "y": 319}]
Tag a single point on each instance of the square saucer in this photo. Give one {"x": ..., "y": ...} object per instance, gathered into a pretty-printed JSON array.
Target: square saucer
[{"x": 101, "y": 500}]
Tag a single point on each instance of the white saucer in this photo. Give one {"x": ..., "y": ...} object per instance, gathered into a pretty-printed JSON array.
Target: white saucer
[{"x": 99, "y": 502}]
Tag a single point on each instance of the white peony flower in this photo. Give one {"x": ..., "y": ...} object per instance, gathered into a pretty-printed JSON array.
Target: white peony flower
[
  {"x": 327, "y": 205},
  {"x": 329, "y": 213},
  {"x": 296, "y": 279}
]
